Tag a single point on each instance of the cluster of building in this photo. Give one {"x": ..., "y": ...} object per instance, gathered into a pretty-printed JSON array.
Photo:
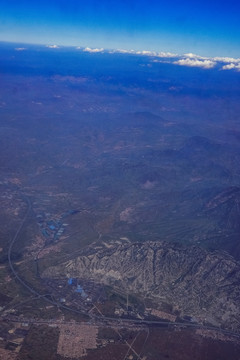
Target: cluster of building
[
  {"x": 79, "y": 289},
  {"x": 53, "y": 229}
]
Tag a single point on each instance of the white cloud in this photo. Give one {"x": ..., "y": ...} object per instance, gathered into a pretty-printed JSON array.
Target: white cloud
[
  {"x": 163, "y": 54},
  {"x": 52, "y": 46},
  {"x": 145, "y": 52},
  {"x": 227, "y": 59},
  {"x": 20, "y": 49},
  {"x": 205, "y": 64},
  {"x": 228, "y": 66},
  {"x": 231, "y": 66},
  {"x": 188, "y": 59},
  {"x": 191, "y": 55},
  {"x": 87, "y": 49},
  {"x": 162, "y": 61},
  {"x": 216, "y": 59},
  {"x": 195, "y": 56},
  {"x": 121, "y": 51}
]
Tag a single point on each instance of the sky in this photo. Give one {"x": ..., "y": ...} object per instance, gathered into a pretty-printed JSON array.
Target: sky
[{"x": 208, "y": 28}]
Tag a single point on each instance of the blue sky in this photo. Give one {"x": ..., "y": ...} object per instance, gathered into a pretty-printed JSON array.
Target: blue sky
[{"x": 208, "y": 28}]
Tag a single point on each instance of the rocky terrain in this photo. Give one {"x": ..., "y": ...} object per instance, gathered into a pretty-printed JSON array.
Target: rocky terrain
[{"x": 198, "y": 283}]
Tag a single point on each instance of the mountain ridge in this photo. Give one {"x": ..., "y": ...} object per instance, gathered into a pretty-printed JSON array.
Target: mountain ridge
[{"x": 199, "y": 283}]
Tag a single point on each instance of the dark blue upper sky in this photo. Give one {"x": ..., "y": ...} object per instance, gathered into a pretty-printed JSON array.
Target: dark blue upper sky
[{"x": 210, "y": 28}]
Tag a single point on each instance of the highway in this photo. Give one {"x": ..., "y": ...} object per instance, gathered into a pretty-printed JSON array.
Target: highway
[
  {"x": 120, "y": 323},
  {"x": 100, "y": 320}
]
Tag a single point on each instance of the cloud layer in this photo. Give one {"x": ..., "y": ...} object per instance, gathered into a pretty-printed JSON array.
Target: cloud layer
[
  {"x": 205, "y": 64},
  {"x": 189, "y": 59},
  {"x": 87, "y": 49},
  {"x": 52, "y": 46},
  {"x": 231, "y": 66}
]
